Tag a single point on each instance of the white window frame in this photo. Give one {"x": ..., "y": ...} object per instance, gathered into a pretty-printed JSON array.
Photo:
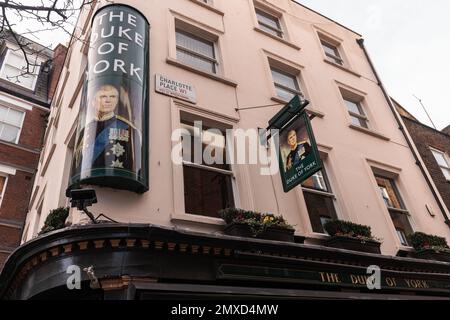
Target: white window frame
[
  {"x": 328, "y": 194},
  {"x": 323, "y": 36},
  {"x": 332, "y": 57},
  {"x": 229, "y": 172},
  {"x": 21, "y": 124},
  {"x": 214, "y": 60},
  {"x": 2, "y": 194},
  {"x": 180, "y": 213},
  {"x": 280, "y": 33},
  {"x": 446, "y": 159},
  {"x": 394, "y": 179},
  {"x": 360, "y": 116},
  {"x": 35, "y": 74},
  {"x": 297, "y": 91},
  {"x": 350, "y": 93}
]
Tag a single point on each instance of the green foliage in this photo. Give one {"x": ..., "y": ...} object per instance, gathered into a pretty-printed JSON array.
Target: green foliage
[
  {"x": 348, "y": 229},
  {"x": 422, "y": 241},
  {"x": 258, "y": 222},
  {"x": 55, "y": 220}
]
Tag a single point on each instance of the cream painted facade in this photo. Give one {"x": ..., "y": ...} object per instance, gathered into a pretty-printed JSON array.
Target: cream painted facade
[{"x": 245, "y": 54}]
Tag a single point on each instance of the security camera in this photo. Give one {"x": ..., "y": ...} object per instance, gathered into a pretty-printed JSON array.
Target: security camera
[{"x": 82, "y": 198}]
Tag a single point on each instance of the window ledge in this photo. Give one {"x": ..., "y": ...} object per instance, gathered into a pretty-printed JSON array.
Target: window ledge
[
  {"x": 317, "y": 236},
  {"x": 342, "y": 68},
  {"x": 288, "y": 43},
  {"x": 212, "y": 76},
  {"x": 320, "y": 193},
  {"x": 209, "y": 7},
  {"x": 406, "y": 248},
  {"x": 369, "y": 132},
  {"x": 311, "y": 110},
  {"x": 197, "y": 219}
]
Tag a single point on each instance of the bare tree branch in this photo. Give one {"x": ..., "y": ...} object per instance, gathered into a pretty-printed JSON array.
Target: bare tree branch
[{"x": 39, "y": 16}]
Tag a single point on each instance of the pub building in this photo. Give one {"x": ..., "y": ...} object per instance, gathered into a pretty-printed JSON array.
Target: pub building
[{"x": 133, "y": 116}]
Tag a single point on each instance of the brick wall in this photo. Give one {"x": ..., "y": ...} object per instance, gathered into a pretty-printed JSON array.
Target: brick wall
[
  {"x": 34, "y": 128},
  {"x": 17, "y": 195},
  {"x": 59, "y": 56},
  {"x": 15, "y": 200},
  {"x": 424, "y": 138},
  {"x": 9, "y": 237}
]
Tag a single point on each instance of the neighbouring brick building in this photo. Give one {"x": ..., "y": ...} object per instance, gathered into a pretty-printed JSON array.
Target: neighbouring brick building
[
  {"x": 24, "y": 108},
  {"x": 434, "y": 148}
]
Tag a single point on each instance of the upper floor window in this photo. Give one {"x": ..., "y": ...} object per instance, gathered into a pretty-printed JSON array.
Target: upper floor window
[
  {"x": 286, "y": 84},
  {"x": 195, "y": 51},
  {"x": 319, "y": 200},
  {"x": 396, "y": 208},
  {"x": 10, "y": 124},
  {"x": 332, "y": 52},
  {"x": 269, "y": 23},
  {"x": 2, "y": 187},
  {"x": 356, "y": 113},
  {"x": 14, "y": 69},
  {"x": 443, "y": 162},
  {"x": 208, "y": 185}
]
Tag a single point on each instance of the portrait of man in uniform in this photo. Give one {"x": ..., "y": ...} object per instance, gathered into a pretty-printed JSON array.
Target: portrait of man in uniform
[
  {"x": 295, "y": 145},
  {"x": 107, "y": 140}
]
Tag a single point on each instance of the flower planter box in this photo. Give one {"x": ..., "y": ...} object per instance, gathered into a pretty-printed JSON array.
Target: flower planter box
[
  {"x": 430, "y": 254},
  {"x": 238, "y": 230},
  {"x": 277, "y": 234},
  {"x": 369, "y": 246},
  {"x": 243, "y": 230}
]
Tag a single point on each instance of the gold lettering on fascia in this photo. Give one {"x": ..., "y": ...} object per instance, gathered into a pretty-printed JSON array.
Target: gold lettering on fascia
[{"x": 329, "y": 277}]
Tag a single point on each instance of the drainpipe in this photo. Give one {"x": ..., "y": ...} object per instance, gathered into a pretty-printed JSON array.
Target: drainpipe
[{"x": 402, "y": 129}]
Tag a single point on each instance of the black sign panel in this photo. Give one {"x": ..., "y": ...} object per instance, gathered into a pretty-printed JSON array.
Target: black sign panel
[{"x": 111, "y": 147}]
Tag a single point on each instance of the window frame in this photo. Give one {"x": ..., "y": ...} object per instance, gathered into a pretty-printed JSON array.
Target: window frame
[
  {"x": 224, "y": 172},
  {"x": 276, "y": 85},
  {"x": 35, "y": 74},
  {"x": 446, "y": 159},
  {"x": 336, "y": 59},
  {"x": 280, "y": 33},
  {"x": 330, "y": 194},
  {"x": 21, "y": 123},
  {"x": 180, "y": 214},
  {"x": 360, "y": 116},
  {"x": 361, "y": 98},
  {"x": 402, "y": 210},
  {"x": 214, "y": 61},
  {"x": 5, "y": 185}
]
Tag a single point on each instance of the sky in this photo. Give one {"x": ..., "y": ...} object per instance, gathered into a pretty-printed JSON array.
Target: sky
[{"x": 409, "y": 44}]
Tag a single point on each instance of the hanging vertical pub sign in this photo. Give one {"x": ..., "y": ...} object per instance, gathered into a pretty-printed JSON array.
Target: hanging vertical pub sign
[
  {"x": 298, "y": 154},
  {"x": 111, "y": 146}
]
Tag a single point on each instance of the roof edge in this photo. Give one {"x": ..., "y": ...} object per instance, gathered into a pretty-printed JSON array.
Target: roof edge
[{"x": 328, "y": 18}]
